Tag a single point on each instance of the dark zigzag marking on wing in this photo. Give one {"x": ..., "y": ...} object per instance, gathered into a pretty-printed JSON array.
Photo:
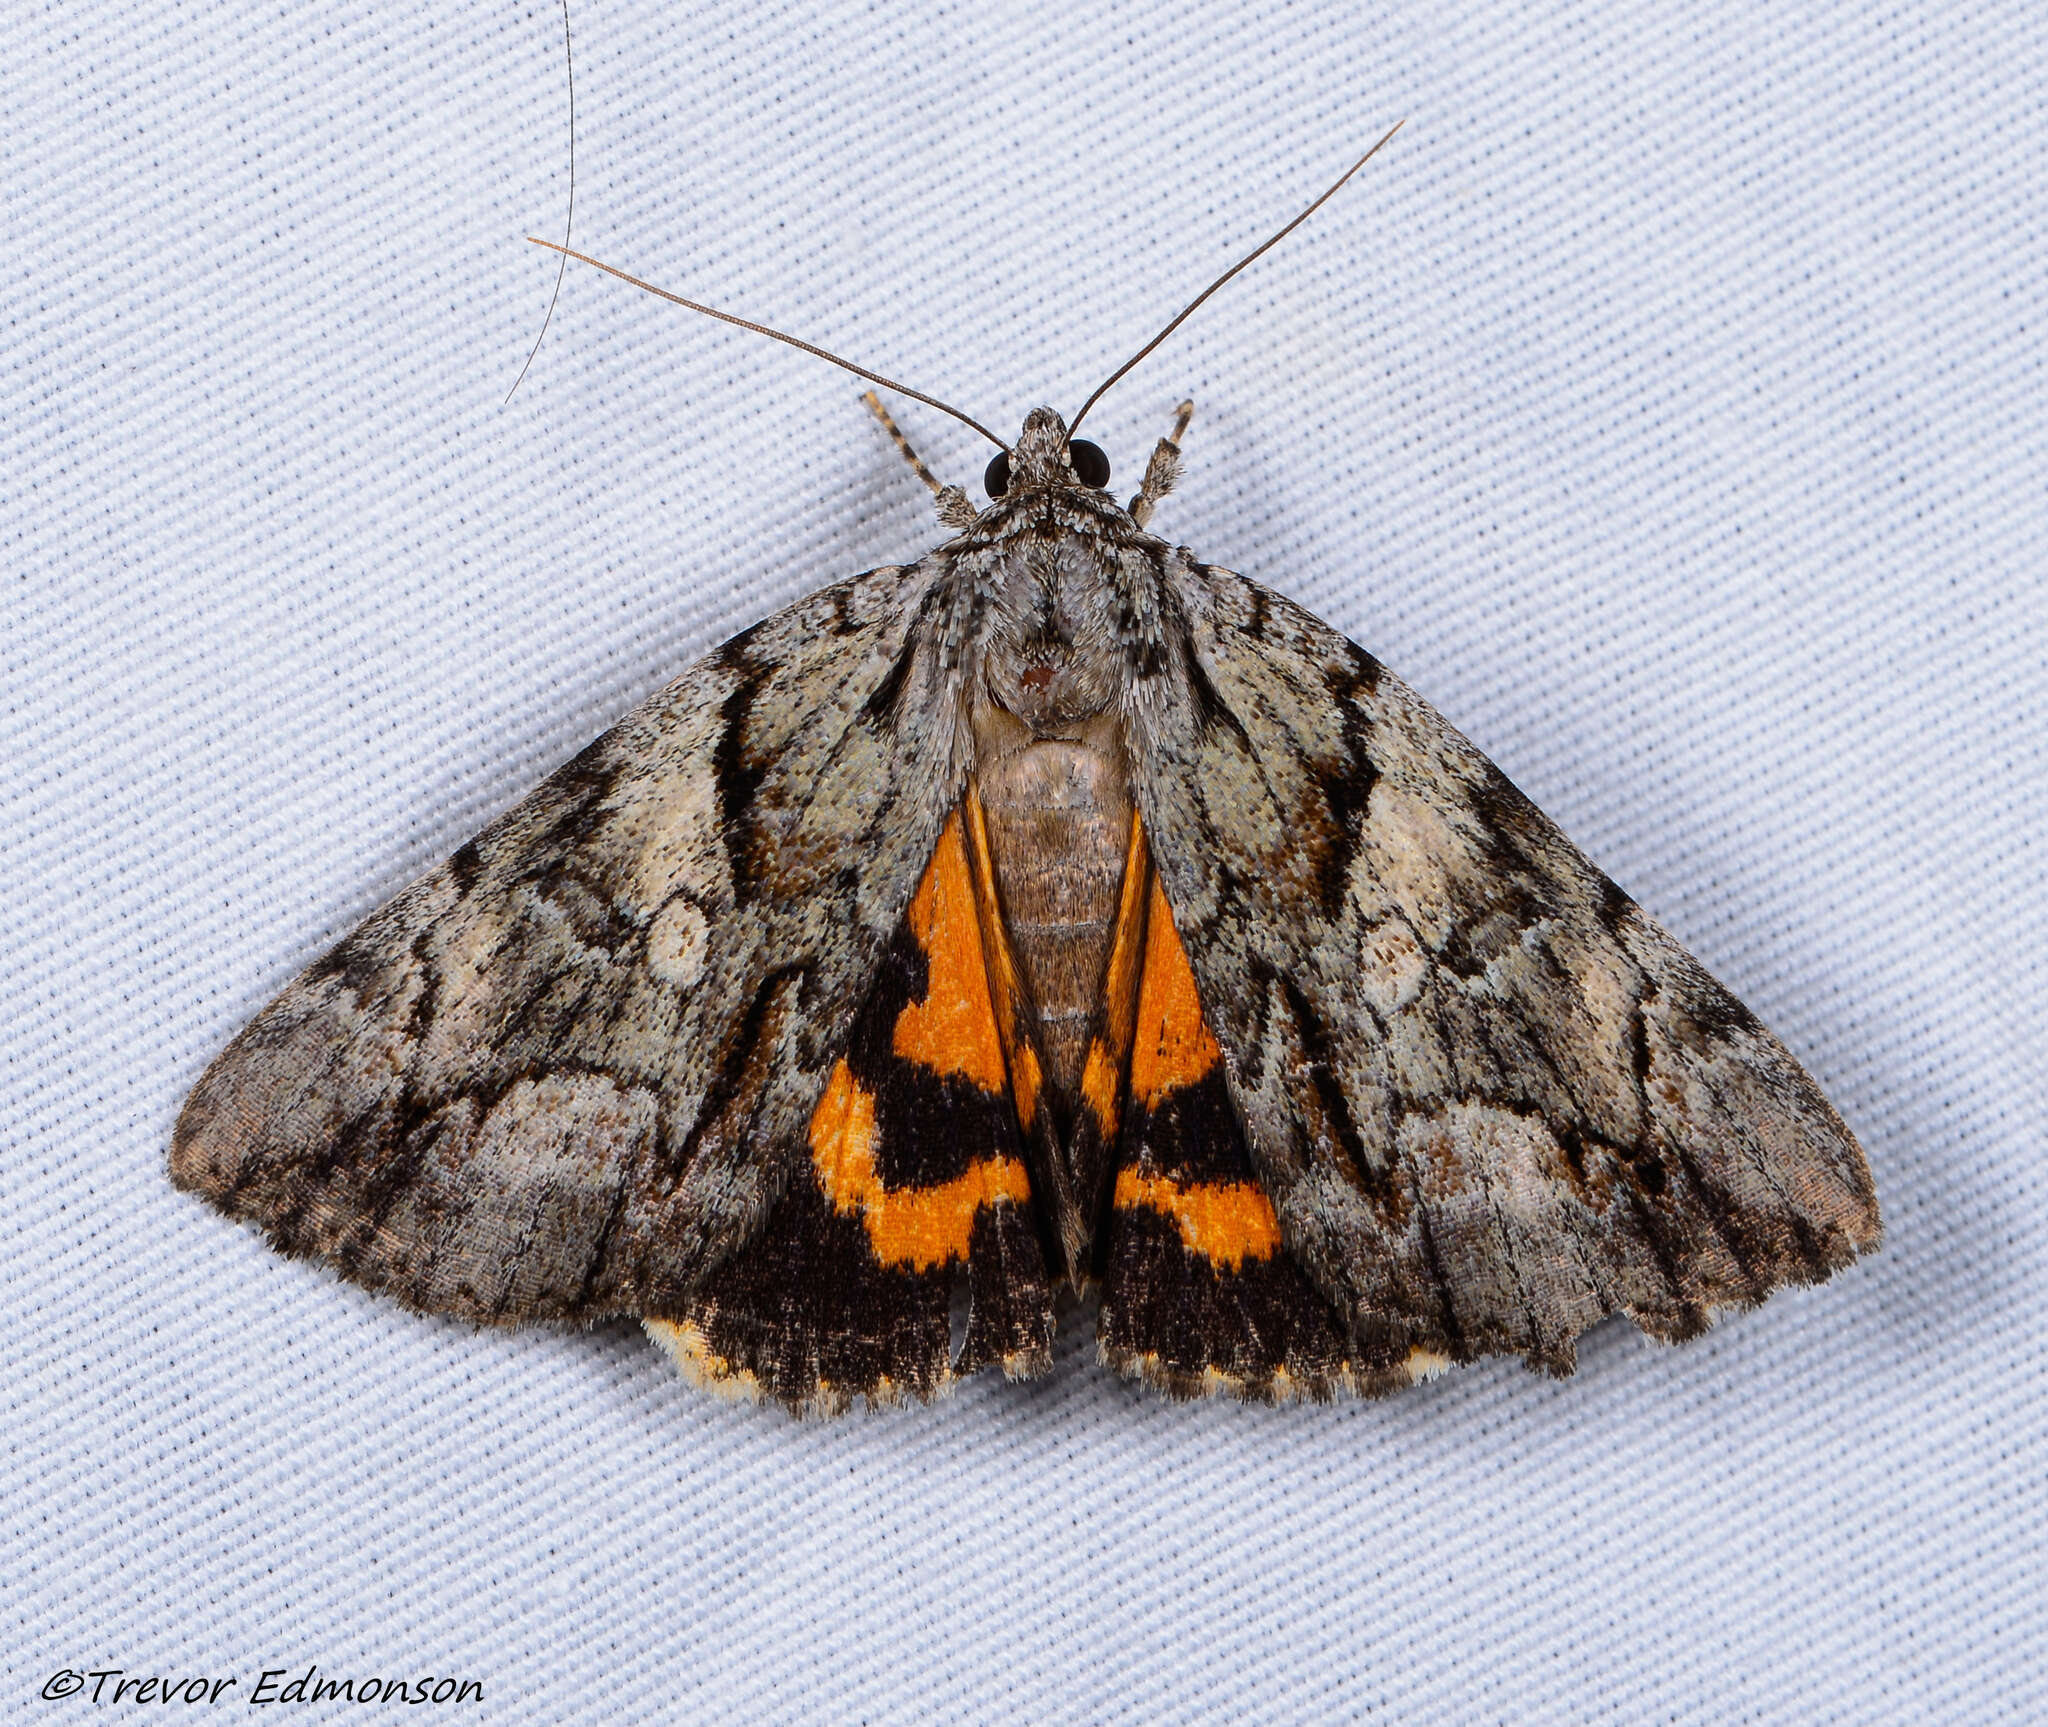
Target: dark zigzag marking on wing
[
  {"x": 1345, "y": 786},
  {"x": 1348, "y": 792},
  {"x": 464, "y": 865},
  {"x": 735, "y": 1069},
  {"x": 737, "y": 777},
  {"x": 1378, "y": 1185}
]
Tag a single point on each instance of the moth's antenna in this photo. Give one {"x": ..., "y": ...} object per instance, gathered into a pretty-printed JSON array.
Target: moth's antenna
[
  {"x": 902, "y": 443},
  {"x": 569, "y": 62},
  {"x": 793, "y": 341},
  {"x": 1249, "y": 258}
]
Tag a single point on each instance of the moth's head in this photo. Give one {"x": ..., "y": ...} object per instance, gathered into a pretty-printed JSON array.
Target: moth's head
[{"x": 1043, "y": 458}]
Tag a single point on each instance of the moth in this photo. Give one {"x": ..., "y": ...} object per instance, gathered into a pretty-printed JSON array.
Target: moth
[{"x": 1057, "y": 913}]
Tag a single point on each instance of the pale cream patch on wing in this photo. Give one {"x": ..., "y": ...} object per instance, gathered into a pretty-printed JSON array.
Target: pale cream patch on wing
[
  {"x": 1424, "y": 1364},
  {"x": 564, "y": 1137},
  {"x": 1413, "y": 849},
  {"x": 666, "y": 824},
  {"x": 1518, "y": 1157},
  {"x": 700, "y": 1364},
  {"x": 1283, "y": 1386},
  {"x": 1503, "y": 1219},
  {"x": 543, "y": 1165},
  {"x": 1418, "y": 1061},
  {"x": 675, "y": 944},
  {"x": 1393, "y": 967}
]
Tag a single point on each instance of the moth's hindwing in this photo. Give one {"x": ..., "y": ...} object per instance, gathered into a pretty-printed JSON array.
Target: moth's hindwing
[
  {"x": 1491, "y": 1100},
  {"x": 1198, "y": 1293},
  {"x": 916, "y": 1168}
]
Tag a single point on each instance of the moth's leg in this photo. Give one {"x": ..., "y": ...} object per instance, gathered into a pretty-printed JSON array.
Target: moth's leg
[
  {"x": 1163, "y": 469},
  {"x": 954, "y": 509}
]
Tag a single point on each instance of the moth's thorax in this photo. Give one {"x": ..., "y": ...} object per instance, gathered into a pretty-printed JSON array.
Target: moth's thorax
[{"x": 1048, "y": 654}]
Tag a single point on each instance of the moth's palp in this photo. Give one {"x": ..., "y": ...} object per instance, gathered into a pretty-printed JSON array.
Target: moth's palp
[
  {"x": 1163, "y": 469},
  {"x": 764, "y": 330},
  {"x": 1250, "y": 257}
]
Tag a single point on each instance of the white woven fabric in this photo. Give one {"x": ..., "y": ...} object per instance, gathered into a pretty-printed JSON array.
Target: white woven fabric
[{"x": 1665, "y": 403}]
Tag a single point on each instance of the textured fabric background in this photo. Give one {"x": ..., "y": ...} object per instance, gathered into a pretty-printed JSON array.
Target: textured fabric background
[{"x": 1666, "y": 404}]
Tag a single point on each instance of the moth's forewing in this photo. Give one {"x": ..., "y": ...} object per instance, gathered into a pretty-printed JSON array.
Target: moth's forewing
[
  {"x": 568, "y": 1070},
  {"x": 1491, "y": 1100}
]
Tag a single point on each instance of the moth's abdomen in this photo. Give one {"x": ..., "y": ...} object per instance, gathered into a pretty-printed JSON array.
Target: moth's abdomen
[{"x": 1059, "y": 821}]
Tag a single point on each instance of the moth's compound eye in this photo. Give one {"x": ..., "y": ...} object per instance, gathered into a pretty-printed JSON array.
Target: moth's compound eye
[
  {"x": 995, "y": 480},
  {"x": 1091, "y": 466}
]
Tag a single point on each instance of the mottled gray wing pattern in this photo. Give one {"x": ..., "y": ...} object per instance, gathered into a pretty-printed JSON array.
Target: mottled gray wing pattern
[
  {"x": 564, "y": 1073},
  {"x": 1491, "y": 1099}
]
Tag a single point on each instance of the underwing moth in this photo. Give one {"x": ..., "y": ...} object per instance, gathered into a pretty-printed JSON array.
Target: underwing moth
[{"x": 1055, "y": 914}]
